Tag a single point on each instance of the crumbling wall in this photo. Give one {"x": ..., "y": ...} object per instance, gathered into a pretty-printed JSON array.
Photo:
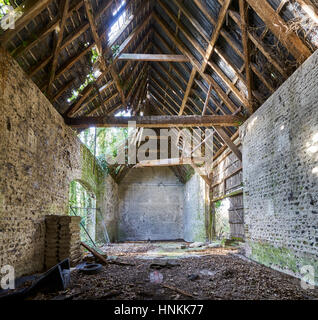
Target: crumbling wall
[
  {"x": 39, "y": 157},
  {"x": 280, "y": 173},
  {"x": 227, "y": 197},
  {"x": 150, "y": 205},
  {"x": 195, "y": 209}
]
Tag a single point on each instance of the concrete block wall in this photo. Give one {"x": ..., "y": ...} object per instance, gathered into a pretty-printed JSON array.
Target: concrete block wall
[
  {"x": 280, "y": 173},
  {"x": 195, "y": 210},
  {"x": 150, "y": 205},
  {"x": 39, "y": 157},
  {"x": 155, "y": 205}
]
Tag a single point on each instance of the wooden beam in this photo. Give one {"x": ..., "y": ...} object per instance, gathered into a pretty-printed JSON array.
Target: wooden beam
[
  {"x": 209, "y": 50},
  {"x": 188, "y": 90},
  {"x": 207, "y": 100},
  {"x": 30, "y": 9},
  {"x": 229, "y": 104},
  {"x": 169, "y": 162},
  {"x": 310, "y": 9},
  {"x": 113, "y": 71},
  {"x": 99, "y": 47},
  {"x": 62, "y": 90},
  {"x": 153, "y": 57},
  {"x": 180, "y": 76},
  {"x": 156, "y": 121},
  {"x": 63, "y": 13},
  {"x": 247, "y": 53},
  {"x": 280, "y": 29},
  {"x": 216, "y": 32},
  {"x": 33, "y": 41},
  {"x": 227, "y": 140},
  {"x": 78, "y": 105}
]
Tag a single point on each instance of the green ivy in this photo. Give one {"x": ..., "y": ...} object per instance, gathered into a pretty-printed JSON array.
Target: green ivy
[
  {"x": 94, "y": 56},
  {"x": 3, "y": 3},
  {"x": 115, "y": 49}
]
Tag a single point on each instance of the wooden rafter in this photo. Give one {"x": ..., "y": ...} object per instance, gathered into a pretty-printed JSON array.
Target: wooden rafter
[
  {"x": 180, "y": 76},
  {"x": 231, "y": 106},
  {"x": 31, "y": 43},
  {"x": 196, "y": 169},
  {"x": 209, "y": 50},
  {"x": 76, "y": 107},
  {"x": 203, "y": 53},
  {"x": 257, "y": 42},
  {"x": 169, "y": 162},
  {"x": 30, "y": 9},
  {"x": 227, "y": 140},
  {"x": 309, "y": 8},
  {"x": 99, "y": 46},
  {"x": 280, "y": 29},
  {"x": 167, "y": 73},
  {"x": 207, "y": 100},
  {"x": 63, "y": 13},
  {"x": 247, "y": 53}
]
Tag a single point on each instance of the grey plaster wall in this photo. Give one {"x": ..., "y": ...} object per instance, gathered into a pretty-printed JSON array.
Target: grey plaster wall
[
  {"x": 150, "y": 205},
  {"x": 280, "y": 173},
  {"x": 195, "y": 210}
]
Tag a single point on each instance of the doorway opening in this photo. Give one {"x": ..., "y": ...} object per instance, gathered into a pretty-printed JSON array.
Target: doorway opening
[{"x": 82, "y": 202}]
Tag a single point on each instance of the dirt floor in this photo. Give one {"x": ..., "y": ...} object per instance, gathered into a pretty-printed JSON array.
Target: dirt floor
[{"x": 165, "y": 271}]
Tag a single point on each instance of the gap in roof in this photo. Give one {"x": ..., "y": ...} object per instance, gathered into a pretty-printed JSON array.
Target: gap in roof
[
  {"x": 123, "y": 113},
  {"x": 120, "y": 24}
]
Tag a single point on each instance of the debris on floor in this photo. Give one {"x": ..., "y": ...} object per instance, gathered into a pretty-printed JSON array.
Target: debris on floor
[{"x": 218, "y": 273}]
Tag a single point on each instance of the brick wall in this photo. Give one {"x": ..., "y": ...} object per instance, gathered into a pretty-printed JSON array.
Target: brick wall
[
  {"x": 39, "y": 157},
  {"x": 280, "y": 173}
]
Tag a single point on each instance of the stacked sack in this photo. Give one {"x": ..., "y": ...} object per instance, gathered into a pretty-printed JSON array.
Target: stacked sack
[{"x": 62, "y": 240}]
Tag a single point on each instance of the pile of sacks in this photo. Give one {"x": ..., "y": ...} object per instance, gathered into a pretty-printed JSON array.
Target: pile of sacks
[{"x": 62, "y": 240}]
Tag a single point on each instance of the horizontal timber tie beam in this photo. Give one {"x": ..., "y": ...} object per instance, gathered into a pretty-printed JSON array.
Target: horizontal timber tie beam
[
  {"x": 170, "y": 162},
  {"x": 156, "y": 121},
  {"x": 153, "y": 57}
]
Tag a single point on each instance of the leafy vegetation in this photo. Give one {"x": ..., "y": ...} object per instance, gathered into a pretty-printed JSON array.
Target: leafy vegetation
[
  {"x": 94, "y": 56},
  {"x": 108, "y": 142},
  {"x": 89, "y": 78},
  {"x": 3, "y": 8},
  {"x": 115, "y": 49},
  {"x": 75, "y": 93},
  {"x": 83, "y": 204}
]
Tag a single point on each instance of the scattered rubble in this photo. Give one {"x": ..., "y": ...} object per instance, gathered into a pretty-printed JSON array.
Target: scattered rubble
[
  {"x": 196, "y": 244},
  {"x": 222, "y": 275}
]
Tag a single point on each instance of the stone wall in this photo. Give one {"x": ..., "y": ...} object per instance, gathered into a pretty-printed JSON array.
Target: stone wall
[
  {"x": 280, "y": 159},
  {"x": 109, "y": 210},
  {"x": 39, "y": 157},
  {"x": 150, "y": 205}
]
